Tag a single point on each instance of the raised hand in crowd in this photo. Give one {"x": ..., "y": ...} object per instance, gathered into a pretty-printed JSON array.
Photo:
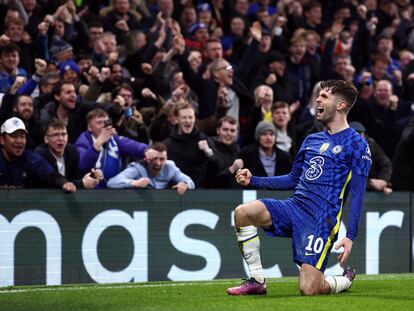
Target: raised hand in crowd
[
  {"x": 122, "y": 25},
  {"x": 222, "y": 94},
  {"x": 203, "y": 146},
  {"x": 256, "y": 31},
  {"x": 178, "y": 44},
  {"x": 106, "y": 134},
  {"x": 4, "y": 40},
  {"x": 71, "y": 9},
  {"x": 41, "y": 66},
  {"x": 146, "y": 68},
  {"x": 18, "y": 83},
  {"x": 43, "y": 28},
  {"x": 147, "y": 93},
  {"x": 180, "y": 93},
  {"x": 397, "y": 74},
  {"x": 238, "y": 164},
  {"x": 394, "y": 102}
]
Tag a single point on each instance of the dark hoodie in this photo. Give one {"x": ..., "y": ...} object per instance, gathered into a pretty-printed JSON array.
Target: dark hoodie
[{"x": 184, "y": 151}]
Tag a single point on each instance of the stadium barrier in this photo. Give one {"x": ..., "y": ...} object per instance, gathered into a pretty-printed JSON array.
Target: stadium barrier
[{"x": 48, "y": 237}]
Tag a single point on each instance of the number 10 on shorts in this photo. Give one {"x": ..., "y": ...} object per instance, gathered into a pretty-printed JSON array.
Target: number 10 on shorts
[{"x": 314, "y": 245}]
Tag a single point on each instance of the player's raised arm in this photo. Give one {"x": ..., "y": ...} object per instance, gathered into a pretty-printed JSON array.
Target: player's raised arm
[
  {"x": 282, "y": 182},
  {"x": 243, "y": 177}
]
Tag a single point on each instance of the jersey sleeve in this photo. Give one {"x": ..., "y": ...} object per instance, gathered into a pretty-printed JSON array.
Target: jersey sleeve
[{"x": 361, "y": 164}]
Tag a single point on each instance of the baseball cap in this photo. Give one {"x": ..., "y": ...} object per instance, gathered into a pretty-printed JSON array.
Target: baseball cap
[
  {"x": 12, "y": 125},
  {"x": 203, "y": 7},
  {"x": 196, "y": 26}
]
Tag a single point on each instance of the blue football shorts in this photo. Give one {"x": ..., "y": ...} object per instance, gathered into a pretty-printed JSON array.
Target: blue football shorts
[{"x": 312, "y": 237}]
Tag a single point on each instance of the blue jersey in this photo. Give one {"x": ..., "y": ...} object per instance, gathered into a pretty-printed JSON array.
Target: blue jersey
[
  {"x": 324, "y": 170},
  {"x": 326, "y": 164},
  {"x": 322, "y": 173}
]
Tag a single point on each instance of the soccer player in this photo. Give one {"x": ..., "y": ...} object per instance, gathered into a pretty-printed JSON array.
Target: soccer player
[{"x": 328, "y": 165}]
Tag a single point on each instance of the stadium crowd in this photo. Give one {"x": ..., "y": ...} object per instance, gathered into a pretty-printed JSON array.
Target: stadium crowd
[{"x": 87, "y": 87}]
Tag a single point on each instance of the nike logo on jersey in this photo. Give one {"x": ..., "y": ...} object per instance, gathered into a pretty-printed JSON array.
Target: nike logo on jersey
[{"x": 310, "y": 254}]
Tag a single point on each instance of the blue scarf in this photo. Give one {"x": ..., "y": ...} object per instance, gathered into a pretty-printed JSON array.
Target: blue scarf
[{"x": 109, "y": 161}]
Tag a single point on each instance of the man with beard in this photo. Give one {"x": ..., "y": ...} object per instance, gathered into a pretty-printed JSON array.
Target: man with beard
[
  {"x": 71, "y": 110},
  {"x": 329, "y": 164},
  {"x": 154, "y": 172}
]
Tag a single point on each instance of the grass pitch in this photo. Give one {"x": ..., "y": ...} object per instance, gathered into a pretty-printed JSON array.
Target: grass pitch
[{"x": 374, "y": 292}]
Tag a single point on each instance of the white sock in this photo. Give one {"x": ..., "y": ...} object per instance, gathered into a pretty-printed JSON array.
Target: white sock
[
  {"x": 338, "y": 283},
  {"x": 249, "y": 245}
]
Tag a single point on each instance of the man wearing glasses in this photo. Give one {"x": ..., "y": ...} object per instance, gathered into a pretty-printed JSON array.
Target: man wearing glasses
[{"x": 64, "y": 157}]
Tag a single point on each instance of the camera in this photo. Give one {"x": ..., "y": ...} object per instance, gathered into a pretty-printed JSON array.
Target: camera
[{"x": 108, "y": 122}]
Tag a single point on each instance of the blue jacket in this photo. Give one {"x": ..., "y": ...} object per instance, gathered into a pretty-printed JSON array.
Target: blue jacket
[
  {"x": 88, "y": 155},
  {"x": 28, "y": 171},
  {"x": 169, "y": 173}
]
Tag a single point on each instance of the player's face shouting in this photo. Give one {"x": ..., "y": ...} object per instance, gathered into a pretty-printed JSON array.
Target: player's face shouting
[{"x": 327, "y": 106}]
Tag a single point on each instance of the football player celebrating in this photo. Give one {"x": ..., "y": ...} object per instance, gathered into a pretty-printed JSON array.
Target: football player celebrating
[{"x": 329, "y": 165}]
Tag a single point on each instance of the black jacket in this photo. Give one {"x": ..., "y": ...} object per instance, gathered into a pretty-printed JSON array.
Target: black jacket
[
  {"x": 184, "y": 151},
  {"x": 219, "y": 175},
  {"x": 403, "y": 161},
  {"x": 71, "y": 157},
  {"x": 251, "y": 158}
]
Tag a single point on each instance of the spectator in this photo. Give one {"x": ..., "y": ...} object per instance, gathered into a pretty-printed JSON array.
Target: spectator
[
  {"x": 379, "y": 178},
  {"x": 20, "y": 168},
  {"x": 72, "y": 111},
  {"x": 286, "y": 133},
  {"x": 101, "y": 148},
  {"x": 154, "y": 172},
  {"x": 264, "y": 158},
  {"x": 274, "y": 76},
  {"x": 14, "y": 29},
  {"x": 224, "y": 162},
  {"x": 300, "y": 74},
  {"x": 21, "y": 106},
  {"x": 379, "y": 116},
  {"x": 403, "y": 161},
  {"x": 64, "y": 157},
  {"x": 9, "y": 69},
  {"x": 236, "y": 98},
  {"x": 263, "y": 99},
  {"x": 60, "y": 51},
  {"x": 121, "y": 12},
  {"x": 187, "y": 146},
  {"x": 131, "y": 123}
]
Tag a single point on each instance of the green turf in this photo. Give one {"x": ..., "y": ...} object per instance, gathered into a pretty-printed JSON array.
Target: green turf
[{"x": 379, "y": 293}]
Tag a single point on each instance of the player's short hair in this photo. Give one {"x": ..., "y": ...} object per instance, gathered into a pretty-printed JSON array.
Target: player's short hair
[
  {"x": 95, "y": 113},
  {"x": 344, "y": 89},
  {"x": 158, "y": 146},
  {"x": 54, "y": 123}
]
